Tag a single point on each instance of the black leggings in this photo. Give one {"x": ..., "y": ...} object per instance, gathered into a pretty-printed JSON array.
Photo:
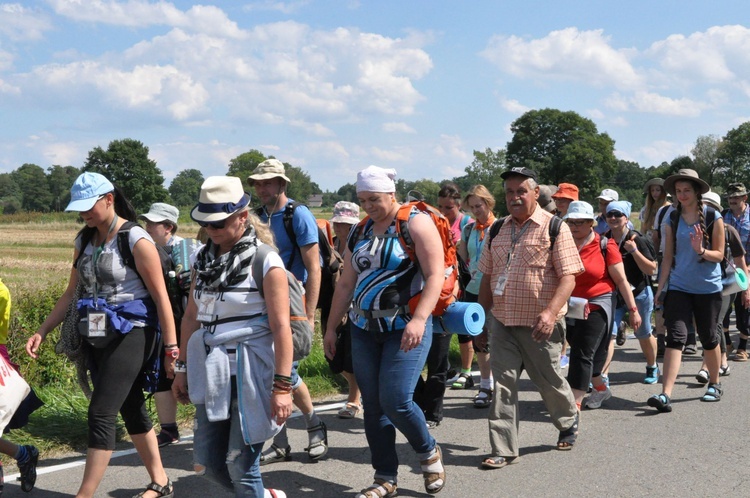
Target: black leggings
[
  {"x": 588, "y": 342},
  {"x": 117, "y": 375}
]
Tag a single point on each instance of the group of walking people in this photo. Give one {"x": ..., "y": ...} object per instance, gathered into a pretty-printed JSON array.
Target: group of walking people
[{"x": 551, "y": 275}]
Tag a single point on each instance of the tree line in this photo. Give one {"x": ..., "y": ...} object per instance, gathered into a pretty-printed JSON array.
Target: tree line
[{"x": 561, "y": 146}]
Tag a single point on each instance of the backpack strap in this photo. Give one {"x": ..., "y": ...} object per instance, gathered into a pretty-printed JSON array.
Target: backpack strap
[
  {"x": 259, "y": 258},
  {"x": 123, "y": 245},
  {"x": 554, "y": 230},
  {"x": 288, "y": 220},
  {"x": 495, "y": 228},
  {"x": 603, "y": 241},
  {"x": 356, "y": 233},
  {"x": 466, "y": 232}
]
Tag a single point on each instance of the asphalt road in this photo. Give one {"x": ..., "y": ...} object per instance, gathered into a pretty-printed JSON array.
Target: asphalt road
[{"x": 624, "y": 449}]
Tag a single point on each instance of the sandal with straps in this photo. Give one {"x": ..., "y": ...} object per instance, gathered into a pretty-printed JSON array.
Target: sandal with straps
[
  {"x": 350, "y": 410},
  {"x": 434, "y": 482},
  {"x": 275, "y": 454},
  {"x": 166, "y": 491},
  {"x": 568, "y": 437},
  {"x": 463, "y": 381},
  {"x": 379, "y": 489},
  {"x": 483, "y": 398},
  {"x": 318, "y": 444}
]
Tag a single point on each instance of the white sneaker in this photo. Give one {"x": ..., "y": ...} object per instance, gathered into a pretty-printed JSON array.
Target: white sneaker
[{"x": 596, "y": 398}]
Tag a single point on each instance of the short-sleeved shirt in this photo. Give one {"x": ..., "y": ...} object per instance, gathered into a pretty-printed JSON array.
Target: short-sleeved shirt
[
  {"x": 117, "y": 282},
  {"x": 595, "y": 280},
  {"x": 236, "y": 307},
  {"x": 461, "y": 221},
  {"x": 736, "y": 247},
  {"x": 742, "y": 225},
  {"x": 305, "y": 228},
  {"x": 473, "y": 243},
  {"x": 535, "y": 271},
  {"x": 691, "y": 273}
]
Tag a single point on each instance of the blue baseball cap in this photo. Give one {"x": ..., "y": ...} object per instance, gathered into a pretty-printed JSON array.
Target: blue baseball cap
[{"x": 86, "y": 190}]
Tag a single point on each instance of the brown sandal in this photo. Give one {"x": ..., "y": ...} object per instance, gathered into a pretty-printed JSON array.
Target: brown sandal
[
  {"x": 430, "y": 478},
  {"x": 379, "y": 489}
]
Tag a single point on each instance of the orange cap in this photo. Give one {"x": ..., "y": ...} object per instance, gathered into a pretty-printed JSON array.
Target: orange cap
[{"x": 566, "y": 191}]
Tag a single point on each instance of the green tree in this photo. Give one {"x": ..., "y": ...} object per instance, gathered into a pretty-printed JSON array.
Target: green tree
[
  {"x": 485, "y": 169},
  {"x": 60, "y": 179},
  {"x": 734, "y": 156},
  {"x": 35, "y": 193},
  {"x": 562, "y": 147},
  {"x": 127, "y": 165},
  {"x": 706, "y": 156},
  {"x": 244, "y": 164},
  {"x": 185, "y": 187},
  {"x": 10, "y": 194},
  {"x": 628, "y": 181},
  {"x": 300, "y": 185}
]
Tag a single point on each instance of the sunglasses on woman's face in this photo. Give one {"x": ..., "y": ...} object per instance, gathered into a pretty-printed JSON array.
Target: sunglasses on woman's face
[
  {"x": 217, "y": 225},
  {"x": 615, "y": 214}
]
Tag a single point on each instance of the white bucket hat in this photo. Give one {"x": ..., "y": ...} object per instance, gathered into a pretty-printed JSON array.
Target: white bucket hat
[
  {"x": 160, "y": 212},
  {"x": 580, "y": 210}
]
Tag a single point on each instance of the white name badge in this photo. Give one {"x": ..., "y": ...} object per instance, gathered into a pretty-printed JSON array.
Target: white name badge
[
  {"x": 97, "y": 323},
  {"x": 206, "y": 304},
  {"x": 500, "y": 286}
]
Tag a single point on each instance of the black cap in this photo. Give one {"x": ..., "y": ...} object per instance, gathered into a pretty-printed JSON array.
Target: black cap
[{"x": 529, "y": 173}]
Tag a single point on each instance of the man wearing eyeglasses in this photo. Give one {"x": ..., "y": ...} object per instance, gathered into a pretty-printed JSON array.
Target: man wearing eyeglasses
[
  {"x": 738, "y": 216},
  {"x": 301, "y": 257}
]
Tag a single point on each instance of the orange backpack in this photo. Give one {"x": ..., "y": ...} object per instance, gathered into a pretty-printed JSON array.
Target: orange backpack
[{"x": 404, "y": 237}]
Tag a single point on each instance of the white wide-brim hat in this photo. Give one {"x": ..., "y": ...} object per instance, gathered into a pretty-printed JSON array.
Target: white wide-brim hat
[{"x": 220, "y": 198}]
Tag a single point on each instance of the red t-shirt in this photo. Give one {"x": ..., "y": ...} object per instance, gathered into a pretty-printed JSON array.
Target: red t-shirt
[{"x": 595, "y": 279}]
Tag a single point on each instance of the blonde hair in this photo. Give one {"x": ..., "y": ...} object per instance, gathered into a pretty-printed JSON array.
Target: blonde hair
[
  {"x": 481, "y": 192},
  {"x": 262, "y": 231}
]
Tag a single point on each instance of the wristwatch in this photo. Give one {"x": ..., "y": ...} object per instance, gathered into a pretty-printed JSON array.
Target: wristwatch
[{"x": 172, "y": 353}]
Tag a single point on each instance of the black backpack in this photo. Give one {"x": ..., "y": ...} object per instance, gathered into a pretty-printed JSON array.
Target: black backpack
[{"x": 332, "y": 267}]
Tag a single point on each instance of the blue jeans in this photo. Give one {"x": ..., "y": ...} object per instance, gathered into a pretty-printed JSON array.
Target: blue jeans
[
  {"x": 387, "y": 376},
  {"x": 229, "y": 462},
  {"x": 645, "y": 304}
]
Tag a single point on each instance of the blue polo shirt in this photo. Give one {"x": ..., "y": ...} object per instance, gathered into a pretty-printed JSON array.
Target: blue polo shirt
[
  {"x": 305, "y": 228},
  {"x": 742, "y": 225}
]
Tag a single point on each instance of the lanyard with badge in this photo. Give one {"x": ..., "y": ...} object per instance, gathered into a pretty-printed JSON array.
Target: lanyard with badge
[
  {"x": 97, "y": 318},
  {"x": 503, "y": 279}
]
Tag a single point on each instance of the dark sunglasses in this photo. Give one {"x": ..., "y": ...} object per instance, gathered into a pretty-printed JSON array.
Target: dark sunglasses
[
  {"x": 615, "y": 214},
  {"x": 218, "y": 225}
]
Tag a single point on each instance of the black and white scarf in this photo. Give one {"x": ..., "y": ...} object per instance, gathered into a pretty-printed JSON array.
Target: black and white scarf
[{"x": 229, "y": 269}]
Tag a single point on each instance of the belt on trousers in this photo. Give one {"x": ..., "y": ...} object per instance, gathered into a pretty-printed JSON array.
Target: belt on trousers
[{"x": 387, "y": 313}]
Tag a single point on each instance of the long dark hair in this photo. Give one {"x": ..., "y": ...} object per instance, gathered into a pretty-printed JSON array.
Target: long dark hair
[
  {"x": 701, "y": 219},
  {"x": 123, "y": 208}
]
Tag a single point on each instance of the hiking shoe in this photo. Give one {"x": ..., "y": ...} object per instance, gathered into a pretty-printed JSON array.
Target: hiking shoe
[
  {"x": 661, "y": 402},
  {"x": 596, "y": 398},
  {"x": 620, "y": 340},
  {"x": 690, "y": 349},
  {"x": 463, "y": 381},
  {"x": 431, "y": 424},
  {"x": 724, "y": 371},
  {"x": 713, "y": 393},
  {"x": 166, "y": 437},
  {"x": 652, "y": 375},
  {"x": 741, "y": 355},
  {"x": 28, "y": 469},
  {"x": 702, "y": 376}
]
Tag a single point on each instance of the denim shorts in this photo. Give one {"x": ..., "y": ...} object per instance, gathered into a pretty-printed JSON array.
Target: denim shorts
[
  {"x": 645, "y": 304},
  {"x": 296, "y": 379}
]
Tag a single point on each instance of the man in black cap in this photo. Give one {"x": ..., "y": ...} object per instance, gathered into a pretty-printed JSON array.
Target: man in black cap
[
  {"x": 738, "y": 216},
  {"x": 524, "y": 292}
]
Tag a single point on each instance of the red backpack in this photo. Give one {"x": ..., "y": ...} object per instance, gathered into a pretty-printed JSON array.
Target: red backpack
[{"x": 404, "y": 237}]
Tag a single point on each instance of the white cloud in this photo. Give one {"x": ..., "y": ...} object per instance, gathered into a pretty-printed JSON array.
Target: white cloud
[
  {"x": 513, "y": 106},
  {"x": 657, "y": 151},
  {"x": 397, "y": 128},
  {"x": 719, "y": 54},
  {"x": 311, "y": 128},
  {"x": 141, "y": 13},
  {"x": 649, "y": 102},
  {"x": 62, "y": 153},
  {"x": 454, "y": 148},
  {"x": 567, "y": 54},
  {"x": 283, "y": 7},
  {"x": 595, "y": 114},
  {"x": 148, "y": 88},
  {"x": 21, "y": 23},
  {"x": 394, "y": 155}
]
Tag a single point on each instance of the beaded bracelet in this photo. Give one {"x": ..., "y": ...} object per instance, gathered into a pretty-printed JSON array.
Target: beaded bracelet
[{"x": 285, "y": 378}]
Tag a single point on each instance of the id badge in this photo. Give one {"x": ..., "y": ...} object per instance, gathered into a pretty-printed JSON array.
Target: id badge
[
  {"x": 500, "y": 286},
  {"x": 97, "y": 323},
  {"x": 206, "y": 305}
]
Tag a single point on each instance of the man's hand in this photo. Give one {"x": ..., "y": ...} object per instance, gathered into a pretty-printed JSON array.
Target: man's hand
[{"x": 543, "y": 326}]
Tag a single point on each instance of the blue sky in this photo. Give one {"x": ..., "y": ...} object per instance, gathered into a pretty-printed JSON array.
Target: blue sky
[{"x": 333, "y": 86}]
